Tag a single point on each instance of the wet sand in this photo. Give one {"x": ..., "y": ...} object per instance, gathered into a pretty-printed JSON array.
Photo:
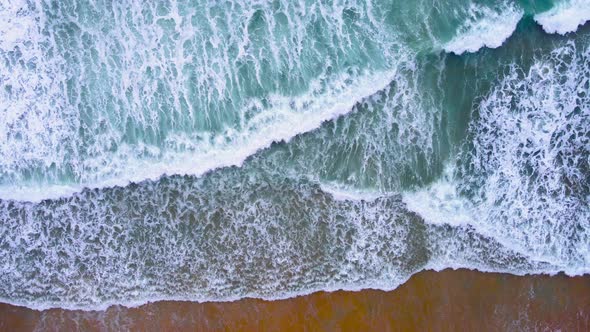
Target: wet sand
[{"x": 447, "y": 300}]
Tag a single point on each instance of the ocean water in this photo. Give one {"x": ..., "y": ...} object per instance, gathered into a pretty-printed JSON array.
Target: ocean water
[{"x": 214, "y": 150}]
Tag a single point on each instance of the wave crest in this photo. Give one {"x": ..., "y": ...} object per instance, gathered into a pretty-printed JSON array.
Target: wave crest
[
  {"x": 485, "y": 27},
  {"x": 565, "y": 17}
]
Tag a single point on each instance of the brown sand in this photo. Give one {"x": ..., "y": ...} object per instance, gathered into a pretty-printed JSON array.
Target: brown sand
[{"x": 447, "y": 300}]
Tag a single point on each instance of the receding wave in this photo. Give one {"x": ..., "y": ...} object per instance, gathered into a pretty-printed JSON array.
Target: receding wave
[
  {"x": 390, "y": 156},
  {"x": 525, "y": 182},
  {"x": 287, "y": 118},
  {"x": 117, "y": 246},
  {"x": 103, "y": 100}
]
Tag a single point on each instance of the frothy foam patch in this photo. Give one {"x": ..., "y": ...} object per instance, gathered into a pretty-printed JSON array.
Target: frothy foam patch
[
  {"x": 525, "y": 181},
  {"x": 35, "y": 121},
  {"x": 224, "y": 236},
  {"x": 107, "y": 95},
  {"x": 485, "y": 27},
  {"x": 17, "y": 24},
  {"x": 528, "y": 172},
  {"x": 441, "y": 203},
  {"x": 388, "y": 142},
  {"x": 565, "y": 17}
]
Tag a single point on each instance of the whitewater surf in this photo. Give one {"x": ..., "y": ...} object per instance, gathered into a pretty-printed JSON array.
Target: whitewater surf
[{"x": 211, "y": 151}]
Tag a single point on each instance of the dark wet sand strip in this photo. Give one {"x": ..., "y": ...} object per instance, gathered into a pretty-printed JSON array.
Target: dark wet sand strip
[{"x": 447, "y": 300}]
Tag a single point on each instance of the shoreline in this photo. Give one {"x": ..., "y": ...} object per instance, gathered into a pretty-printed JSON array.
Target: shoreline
[{"x": 449, "y": 299}]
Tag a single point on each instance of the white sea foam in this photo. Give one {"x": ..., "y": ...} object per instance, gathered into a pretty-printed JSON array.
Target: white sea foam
[
  {"x": 565, "y": 17},
  {"x": 17, "y": 27},
  {"x": 75, "y": 118},
  {"x": 33, "y": 118},
  {"x": 288, "y": 117},
  {"x": 376, "y": 252},
  {"x": 532, "y": 149},
  {"x": 441, "y": 203},
  {"x": 384, "y": 285},
  {"x": 105, "y": 252},
  {"x": 485, "y": 27},
  {"x": 525, "y": 184}
]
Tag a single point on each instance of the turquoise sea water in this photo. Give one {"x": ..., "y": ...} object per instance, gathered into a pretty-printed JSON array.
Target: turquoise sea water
[{"x": 214, "y": 150}]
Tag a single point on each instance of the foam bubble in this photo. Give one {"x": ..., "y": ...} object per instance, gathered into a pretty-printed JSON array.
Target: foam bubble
[
  {"x": 17, "y": 27},
  {"x": 535, "y": 129}
]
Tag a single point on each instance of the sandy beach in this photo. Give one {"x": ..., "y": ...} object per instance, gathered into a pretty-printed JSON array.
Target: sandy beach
[{"x": 447, "y": 300}]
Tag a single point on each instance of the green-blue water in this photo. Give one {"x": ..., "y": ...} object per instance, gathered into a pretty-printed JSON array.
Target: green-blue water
[{"x": 215, "y": 150}]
